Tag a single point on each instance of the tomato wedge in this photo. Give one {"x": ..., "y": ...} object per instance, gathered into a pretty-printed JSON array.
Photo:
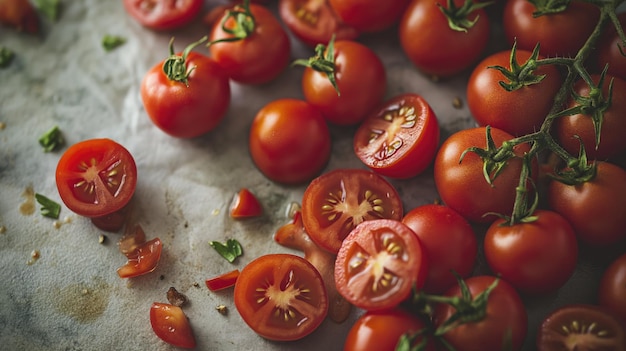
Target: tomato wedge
[
  {"x": 171, "y": 325},
  {"x": 281, "y": 297},
  {"x": 379, "y": 263},
  {"x": 143, "y": 260},
  {"x": 245, "y": 205},
  {"x": 163, "y": 14},
  {"x": 337, "y": 201}
]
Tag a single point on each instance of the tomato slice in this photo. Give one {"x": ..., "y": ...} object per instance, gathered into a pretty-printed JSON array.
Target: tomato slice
[
  {"x": 245, "y": 204},
  {"x": 337, "y": 201},
  {"x": 281, "y": 297},
  {"x": 143, "y": 260},
  {"x": 163, "y": 14},
  {"x": 379, "y": 263},
  {"x": 223, "y": 281},
  {"x": 171, "y": 325},
  {"x": 96, "y": 177},
  {"x": 400, "y": 138}
]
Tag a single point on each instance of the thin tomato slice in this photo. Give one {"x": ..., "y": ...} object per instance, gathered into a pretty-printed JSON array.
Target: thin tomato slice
[
  {"x": 336, "y": 202},
  {"x": 223, "y": 281},
  {"x": 171, "y": 325},
  {"x": 143, "y": 260},
  {"x": 379, "y": 263},
  {"x": 281, "y": 297},
  {"x": 245, "y": 205}
]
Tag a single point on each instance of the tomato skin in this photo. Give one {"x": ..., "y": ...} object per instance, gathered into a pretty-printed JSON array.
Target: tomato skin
[
  {"x": 159, "y": 15},
  {"x": 361, "y": 79},
  {"x": 406, "y": 120},
  {"x": 273, "y": 285},
  {"x": 612, "y": 288},
  {"x": 143, "y": 260},
  {"x": 187, "y": 111},
  {"x": 171, "y": 325},
  {"x": 505, "y": 314},
  {"x": 449, "y": 241},
  {"x": 245, "y": 205},
  {"x": 369, "y": 15},
  {"x": 608, "y": 51},
  {"x": 276, "y": 144},
  {"x": 536, "y": 257},
  {"x": 223, "y": 281},
  {"x": 517, "y": 112},
  {"x": 257, "y": 59},
  {"x": 463, "y": 187},
  {"x": 583, "y": 204},
  {"x": 424, "y": 27},
  {"x": 381, "y": 330}
]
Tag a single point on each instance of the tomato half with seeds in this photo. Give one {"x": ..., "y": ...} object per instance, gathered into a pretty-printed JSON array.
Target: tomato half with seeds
[
  {"x": 400, "y": 138},
  {"x": 171, "y": 325},
  {"x": 369, "y": 15},
  {"x": 379, "y": 263},
  {"x": 163, "y": 14},
  {"x": 96, "y": 177},
  {"x": 281, "y": 297},
  {"x": 337, "y": 201}
]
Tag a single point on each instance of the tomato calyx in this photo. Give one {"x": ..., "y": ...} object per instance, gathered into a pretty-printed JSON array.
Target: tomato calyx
[
  {"x": 323, "y": 61},
  {"x": 548, "y": 7},
  {"x": 494, "y": 158},
  {"x": 244, "y": 23},
  {"x": 458, "y": 17},
  {"x": 523, "y": 75},
  {"x": 175, "y": 66}
]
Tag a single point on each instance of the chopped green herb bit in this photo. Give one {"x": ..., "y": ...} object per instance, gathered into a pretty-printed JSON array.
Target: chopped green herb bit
[
  {"x": 6, "y": 57},
  {"x": 230, "y": 251},
  {"x": 52, "y": 139},
  {"x": 49, "y": 8},
  {"x": 49, "y": 208},
  {"x": 110, "y": 42}
]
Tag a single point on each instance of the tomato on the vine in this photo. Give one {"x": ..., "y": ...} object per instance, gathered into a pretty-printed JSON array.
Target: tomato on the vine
[
  {"x": 171, "y": 325},
  {"x": 612, "y": 289},
  {"x": 369, "y": 15},
  {"x": 609, "y": 50},
  {"x": 400, "y": 138},
  {"x": 163, "y": 14}
]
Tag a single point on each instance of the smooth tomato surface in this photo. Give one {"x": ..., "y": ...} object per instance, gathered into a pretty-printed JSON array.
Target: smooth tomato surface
[
  {"x": 379, "y": 263},
  {"x": 96, "y": 177},
  {"x": 163, "y": 14},
  {"x": 281, "y": 296},
  {"x": 278, "y": 147},
  {"x": 245, "y": 204},
  {"x": 369, "y": 15},
  {"x": 223, "y": 281},
  {"x": 613, "y": 288},
  {"x": 144, "y": 259},
  {"x": 608, "y": 50},
  {"x": 337, "y": 201},
  {"x": 171, "y": 325},
  {"x": 400, "y": 138}
]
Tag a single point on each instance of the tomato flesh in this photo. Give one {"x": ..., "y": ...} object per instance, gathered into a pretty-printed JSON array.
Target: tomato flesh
[
  {"x": 143, "y": 260},
  {"x": 223, "y": 281},
  {"x": 245, "y": 205},
  {"x": 171, "y": 325}
]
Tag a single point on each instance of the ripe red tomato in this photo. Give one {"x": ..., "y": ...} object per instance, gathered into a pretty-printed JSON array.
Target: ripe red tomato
[
  {"x": 171, "y": 325},
  {"x": 277, "y": 146},
  {"x": 400, "y": 138},
  {"x": 163, "y": 14},
  {"x": 381, "y": 330},
  {"x": 361, "y": 80},
  {"x": 379, "y": 263},
  {"x": 258, "y": 57},
  {"x": 144, "y": 259},
  {"x": 594, "y": 208},
  {"x": 186, "y": 108},
  {"x": 613, "y": 288},
  {"x": 281, "y": 297},
  {"x": 517, "y": 112},
  {"x": 433, "y": 47},
  {"x": 337, "y": 201},
  {"x": 369, "y": 15},
  {"x": 96, "y": 177},
  {"x": 462, "y": 186},
  {"x": 559, "y": 34},
  {"x": 223, "y": 281},
  {"x": 314, "y": 22},
  {"x": 608, "y": 51},
  {"x": 505, "y": 321},
  {"x": 536, "y": 257},
  {"x": 245, "y": 205},
  {"x": 449, "y": 241}
]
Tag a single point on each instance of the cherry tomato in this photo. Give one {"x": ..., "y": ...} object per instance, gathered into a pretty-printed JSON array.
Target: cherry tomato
[
  {"x": 461, "y": 184},
  {"x": 260, "y": 55},
  {"x": 163, "y": 14},
  {"x": 245, "y": 205},
  {"x": 517, "y": 112},
  {"x": 559, "y": 34},
  {"x": 613, "y": 288},
  {"x": 20, "y": 15},
  {"x": 436, "y": 49},
  {"x": 143, "y": 260},
  {"x": 281, "y": 297},
  {"x": 400, "y": 138},
  {"x": 171, "y": 325},
  {"x": 96, "y": 177},
  {"x": 580, "y": 327},
  {"x": 361, "y": 81},
  {"x": 379, "y": 263},
  {"x": 449, "y": 241},
  {"x": 223, "y": 281},
  {"x": 314, "y": 22},
  {"x": 369, "y": 15},
  {"x": 187, "y": 107},
  {"x": 608, "y": 50},
  {"x": 381, "y": 330},
  {"x": 600, "y": 198},
  {"x": 337, "y": 201},
  {"x": 277, "y": 145}
]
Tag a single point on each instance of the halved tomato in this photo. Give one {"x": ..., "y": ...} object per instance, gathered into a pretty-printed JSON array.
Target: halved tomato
[
  {"x": 171, "y": 325},
  {"x": 143, "y": 260},
  {"x": 281, "y": 297},
  {"x": 337, "y": 201}
]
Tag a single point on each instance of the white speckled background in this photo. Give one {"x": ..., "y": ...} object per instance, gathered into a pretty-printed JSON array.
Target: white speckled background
[{"x": 71, "y": 297}]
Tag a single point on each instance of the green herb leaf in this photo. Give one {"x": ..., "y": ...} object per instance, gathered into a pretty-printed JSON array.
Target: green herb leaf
[
  {"x": 52, "y": 139},
  {"x": 110, "y": 42},
  {"x": 49, "y": 8},
  {"x": 6, "y": 57},
  {"x": 49, "y": 208},
  {"x": 230, "y": 250}
]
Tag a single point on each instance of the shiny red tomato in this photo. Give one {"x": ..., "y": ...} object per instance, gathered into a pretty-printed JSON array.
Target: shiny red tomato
[
  {"x": 436, "y": 49},
  {"x": 369, "y": 15},
  {"x": 186, "y": 107},
  {"x": 361, "y": 81},
  {"x": 379, "y": 263},
  {"x": 163, "y": 14},
  {"x": 612, "y": 288},
  {"x": 281, "y": 297},
  {"x": 245, "y": 205},
  {"x": 608, "y": 51},
  {"x": 171, "y": 325},
  {"x": 449, "y": 241},
  {"x": 223, "y": 281},
  {"x": 277, "y": 145},
  {"x": 144, "y": 259},
  {"x": 337, "y": 201},
  {"x": 400, "y": 138},
  {"x": 259, "y": 55}
]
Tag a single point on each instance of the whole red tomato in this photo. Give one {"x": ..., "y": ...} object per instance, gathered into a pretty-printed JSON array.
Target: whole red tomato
[
  {"x": 608, "y": 50},
  {"x": 613, "y": 288},
  {"x": 369, "y": 15},
  {"x": 163, "y": 14}
]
